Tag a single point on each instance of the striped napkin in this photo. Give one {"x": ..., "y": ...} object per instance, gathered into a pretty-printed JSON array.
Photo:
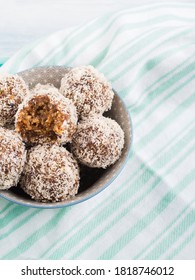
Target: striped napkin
[{"x": 148, "y": 212}]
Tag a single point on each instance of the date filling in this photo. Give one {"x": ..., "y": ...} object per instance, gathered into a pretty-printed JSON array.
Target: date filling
[{"x": 40, "y": 118}]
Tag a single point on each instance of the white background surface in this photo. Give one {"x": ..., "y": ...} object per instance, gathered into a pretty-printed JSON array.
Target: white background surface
[{"x": 23, "y": 21}]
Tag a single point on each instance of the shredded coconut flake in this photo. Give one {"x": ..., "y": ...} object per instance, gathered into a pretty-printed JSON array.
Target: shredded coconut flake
[
  {"x": 98, "y": 142},
  {"x": 12, "y": 158},
  {"x": 89, "y": 90},
  {"x": 12, "y": 92},
  {"x": 50, "y": 174},
  {"x": 63, "y": 105}
]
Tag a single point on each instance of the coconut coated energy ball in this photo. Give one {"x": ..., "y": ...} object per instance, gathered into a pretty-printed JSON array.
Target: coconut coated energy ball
[
  {"x": 51, "y": 174},
  {"x": 12, "y": 92},
  {"x": 88, "y": 89},
  {"x": 45, "y": 116},
  {"x": 12, "y": 158},
  {"x": 98, "y": 142}
]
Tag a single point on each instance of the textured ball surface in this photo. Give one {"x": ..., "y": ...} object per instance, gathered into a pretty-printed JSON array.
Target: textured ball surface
[
  {"x": 51, "y": 174},
  {"x": 88, "y": 89},
  {"x": 98, "y": 142},
  {"x": 46, "y": 116},
  {"x": 12, "y": 158},
  {"x": 12, "y": 92}
]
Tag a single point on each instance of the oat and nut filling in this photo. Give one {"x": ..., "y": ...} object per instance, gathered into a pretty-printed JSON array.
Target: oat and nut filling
[{"x": 40, "y": 118}]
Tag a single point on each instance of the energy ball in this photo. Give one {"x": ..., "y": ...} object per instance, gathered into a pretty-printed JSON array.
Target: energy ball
[
  {"x": 98, "y": 142},
  {"x": 51, "y": 174},
  {"x": 46, "y": 116},
  {"x": 88, "y": 89},
  {"x": 12, "y": 158},
  {"x": 12, "y": 92}
]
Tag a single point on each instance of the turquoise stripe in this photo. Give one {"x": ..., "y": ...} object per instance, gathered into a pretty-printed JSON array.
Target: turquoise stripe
[
  {"x": 172, "y": 237},
  {"x": 130, "y": 88},
  {"x": 16, "y": 60},
  {"x": 26, "y": 51},
  {"x": 189, "y": 152},
  {"x": 157, "y": 106},
  {"x": 64, "y": 50},
  {"x": 66, "y": 44},
  {"x": 166, "y": 85},
  {"x": 105, "y": 213},
  {"x": 150, "y": 65},
  {"x": 146, "y": 220},
  {"x": 159, "y": 82},
  {"x": 61, "y": 55},
  {"x": 164, "y": 159},
  {"x": 128, "y": 209},
  {"x": 118, "y": 32},
  {"x": 37, "y": 235},
  {"x": 181, "y": 246},
  {"x": 3, "y": 60},
  {"x": 162, "y": 124},
  {"x": 121, "y": 13},
  {"x": 101, "y": 57},
  {"x": 142, "y": 58},
  {"x": 19, "y": 224},
  {"x": 130, "y": 52},
  {"x": 164, "y": 232},
  {"x": 7, "y": 206},
  {"x": 12, "y": 214}
]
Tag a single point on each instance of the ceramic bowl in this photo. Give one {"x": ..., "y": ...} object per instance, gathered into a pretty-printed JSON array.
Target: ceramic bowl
[{"x": 94, "y": 180}]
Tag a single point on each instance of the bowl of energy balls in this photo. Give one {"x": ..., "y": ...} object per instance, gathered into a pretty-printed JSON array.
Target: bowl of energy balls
[{"x": 65, "y": 135}]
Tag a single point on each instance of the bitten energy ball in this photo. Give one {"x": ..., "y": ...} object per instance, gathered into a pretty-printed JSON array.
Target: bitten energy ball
[
  {"x": 51, "y": 174},
  {"x": 12, "y": 158},
  {"x": 12, "y": 92},
  {"x": 98, "y": 142},
  {"x": 88, "y": 89},
  {"x": 45, "y": 116}
]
